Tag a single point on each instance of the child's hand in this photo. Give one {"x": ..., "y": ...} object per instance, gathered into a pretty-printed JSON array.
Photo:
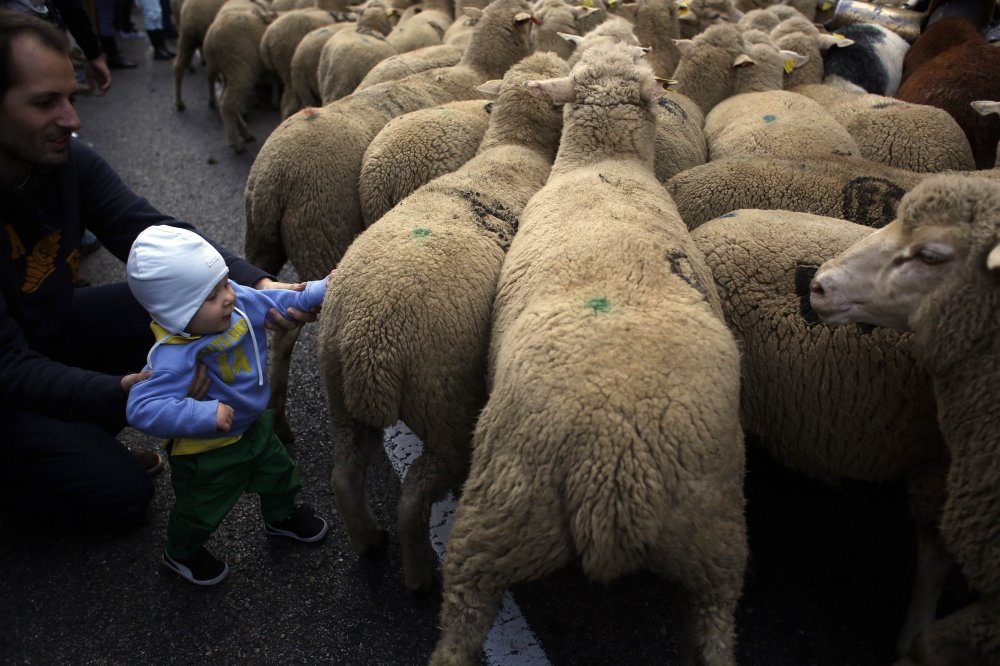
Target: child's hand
[
  {"x": 223, "y": 417},
  {"x": 201, "y": 382}
]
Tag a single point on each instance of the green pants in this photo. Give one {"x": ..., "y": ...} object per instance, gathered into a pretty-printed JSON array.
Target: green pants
[{"x": 207, "y": 485}]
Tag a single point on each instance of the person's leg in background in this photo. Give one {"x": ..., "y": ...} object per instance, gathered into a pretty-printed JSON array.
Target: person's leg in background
[
  {"x": 152, "y": 14},
  {"x": 105, "y": 10}
]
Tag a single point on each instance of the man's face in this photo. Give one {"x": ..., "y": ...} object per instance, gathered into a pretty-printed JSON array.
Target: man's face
[{"x": 36, "y": 114}]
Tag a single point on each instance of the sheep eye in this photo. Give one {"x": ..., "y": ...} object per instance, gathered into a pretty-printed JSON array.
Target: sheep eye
[{"x": 928, "y": 256}]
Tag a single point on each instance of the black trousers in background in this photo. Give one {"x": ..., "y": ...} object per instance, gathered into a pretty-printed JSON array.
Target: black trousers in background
[{"x": 76, "y": 472}]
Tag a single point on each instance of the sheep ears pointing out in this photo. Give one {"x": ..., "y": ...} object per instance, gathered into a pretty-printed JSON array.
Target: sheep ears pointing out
[
  {"x": 560, "y": 90},
  {"x": 683, "y": 45},
  {"x": 576, "y": 39},
  {"x": 984, "y": 107},
  {"x": 473, "y": 12},
  {"x": 795, "y": 60},
  {"x": 491, "y": 87},
  {"x": 828, "y": 40},
  {"x": 993, "y": 260}
]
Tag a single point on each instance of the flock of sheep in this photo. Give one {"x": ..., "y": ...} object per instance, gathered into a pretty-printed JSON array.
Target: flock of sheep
[{"x": 578, "y": 252}]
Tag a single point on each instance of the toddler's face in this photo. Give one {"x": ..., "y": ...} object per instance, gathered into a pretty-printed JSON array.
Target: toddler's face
[{"x": 216, "y": 312}]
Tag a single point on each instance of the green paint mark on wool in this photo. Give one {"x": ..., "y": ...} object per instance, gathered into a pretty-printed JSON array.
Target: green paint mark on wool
[
  {"x": 420, "y": 232},
  {"x": 599, "y": 304},
  {"x": 769, "y": 118}
]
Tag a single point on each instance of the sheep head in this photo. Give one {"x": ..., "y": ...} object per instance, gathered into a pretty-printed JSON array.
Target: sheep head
[{"x": 944, "y": 241}]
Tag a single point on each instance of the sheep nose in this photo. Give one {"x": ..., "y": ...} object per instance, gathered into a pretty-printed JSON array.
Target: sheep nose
[{"x": 816, "y": 289}]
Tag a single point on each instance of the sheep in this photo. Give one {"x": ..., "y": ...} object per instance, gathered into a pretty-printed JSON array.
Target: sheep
[
  {"x": 401, "y": 65},
  {"x": 232, "y": 55},
  {"x": 950, "y": 65},
  {"x": 596, "y": 14},
  {"x": 932, "y": 271},
  {"x": 680, "y": 141},
  {"x": 350, "y": 54},
  {"x": 577, "y": 455},
  {"x": 427, "y": 271},
  {"x": 305, "y": 64},
  {"x": 656, "y": 26},
  {"x": 697, "y": 15},
  {"x": 460, "y": 30},
  {"x": 805, "y": 385},
  {"x": 916, "y": 137},
  {"x": 415, "y": 148},
  {"x": 848, "y": 188},
  {"x": 277, "y": 47},
  {"x": 768, "y": 120},
  {"x": 556, "y": 18},
  {"x": 193, "y": 20},
  {"x": 803, "y": 37},
  {"x": 874, "y": 62},
  {"x": 705, "y": 72},
  {"x": 302, "y": 192},
  {"x": 424, "y": 28}
]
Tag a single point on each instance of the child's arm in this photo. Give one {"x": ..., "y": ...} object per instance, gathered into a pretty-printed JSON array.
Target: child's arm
[
  {"x": 307, "y": 299},
  {"x": 159, "y": 407}
]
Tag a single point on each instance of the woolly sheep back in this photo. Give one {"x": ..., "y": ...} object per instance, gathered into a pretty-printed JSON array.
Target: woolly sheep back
[{"x": 416, "y": 147}]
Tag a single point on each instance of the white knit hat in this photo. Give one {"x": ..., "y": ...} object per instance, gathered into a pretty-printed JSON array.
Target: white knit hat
[{"x": 171, "y": 271}]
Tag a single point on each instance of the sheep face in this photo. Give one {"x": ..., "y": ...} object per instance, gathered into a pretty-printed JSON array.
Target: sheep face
[{"x": 946, "y": 238}]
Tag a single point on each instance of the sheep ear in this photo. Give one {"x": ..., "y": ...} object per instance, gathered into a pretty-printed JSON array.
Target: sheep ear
[
  {"x": 984, "y": 107},
  {"x": 491, "y": 87},
  {"x": 993, "y": 260},
  {"x": 582, "y": 12},
  {"x": 743, "y": 60},
  {"x": 575, "y": 39},
  {"x": 793, "y": 60},
  {"x": 473, "y": 12},
  {"x": 684, "y": 45},
  {"x": 829, "y": 40},
  {"x": 560, "y": 90},
  {"x": 650, "y": 90}
]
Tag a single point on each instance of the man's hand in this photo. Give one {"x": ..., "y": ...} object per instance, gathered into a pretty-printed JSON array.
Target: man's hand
[
  {"x": 292, "y": 318},
  {"x": 201, "y": 382},
  {"x": 128, "y": 381},
  {"x": 223, "y": 417},
  {"x": 98, "y": 75}
]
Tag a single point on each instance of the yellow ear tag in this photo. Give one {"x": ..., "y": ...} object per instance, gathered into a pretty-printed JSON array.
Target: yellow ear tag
[
  {"x": 588, "y": 4},
  {"x": 683, "y": 11},
  {"x": 838, "y": 35},
  {"x": 612, "y": 3},
  {"x": 390, "y": 12},
  {"x": 825, "y": 6},
  {"x": 789, "y": 66}
]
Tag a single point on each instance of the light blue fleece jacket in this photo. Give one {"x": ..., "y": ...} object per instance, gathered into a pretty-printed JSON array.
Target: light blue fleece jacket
[{"x": 237, "y": 365}]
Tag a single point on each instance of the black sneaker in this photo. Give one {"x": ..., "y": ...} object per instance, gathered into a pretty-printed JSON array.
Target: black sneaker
[
  {"x": 201, "y": 568},
  {"x": 302, "y": 525}
]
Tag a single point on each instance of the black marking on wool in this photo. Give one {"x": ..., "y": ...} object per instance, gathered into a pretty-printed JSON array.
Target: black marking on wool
[
  {"x": 858, "y": 63},
  {"x": 804, "y": 274},
  {"x": 680, "y": 265},
  {"x": 493, "y": 218},
  {"x": 886, "y": 105},
  {"x": 870, "y": 201},
  {"x": 437, "y": 28},
  {"x": 672, "y": 107}
]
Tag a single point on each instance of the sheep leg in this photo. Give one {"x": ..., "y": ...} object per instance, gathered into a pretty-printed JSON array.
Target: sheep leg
[
  {"x": 354, "y": 447},
  {"x": 185, "y": 52},
  {"x": 212, "y": 77},
  {"x": 487, "y": 553},
  {"x": 968, "y": 636},
  {"x": 934, "y": 563},
  {"x": 709, "y": 562},
  {"x": 439, "y": 468},
  {"x": 282, "y": 345},
  {"x": 231, "y": 102}
]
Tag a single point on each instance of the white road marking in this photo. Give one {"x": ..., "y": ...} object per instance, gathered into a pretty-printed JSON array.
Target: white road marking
[{"x": 511, "y": 641}]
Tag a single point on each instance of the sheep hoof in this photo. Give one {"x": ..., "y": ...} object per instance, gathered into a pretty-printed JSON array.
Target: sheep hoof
[
  {"x": 249, "y": 138},
  {"x": 180, "y": 106},
  {"x": 239, "y": 149},
  {"x": 283, "y": 431},
  {"x": 372, "y": 542},
  {"x": 419, "y": 584}
]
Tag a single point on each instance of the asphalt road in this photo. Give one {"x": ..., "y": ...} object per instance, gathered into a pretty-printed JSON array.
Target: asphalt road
[{"x": 828, "y": 580}]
